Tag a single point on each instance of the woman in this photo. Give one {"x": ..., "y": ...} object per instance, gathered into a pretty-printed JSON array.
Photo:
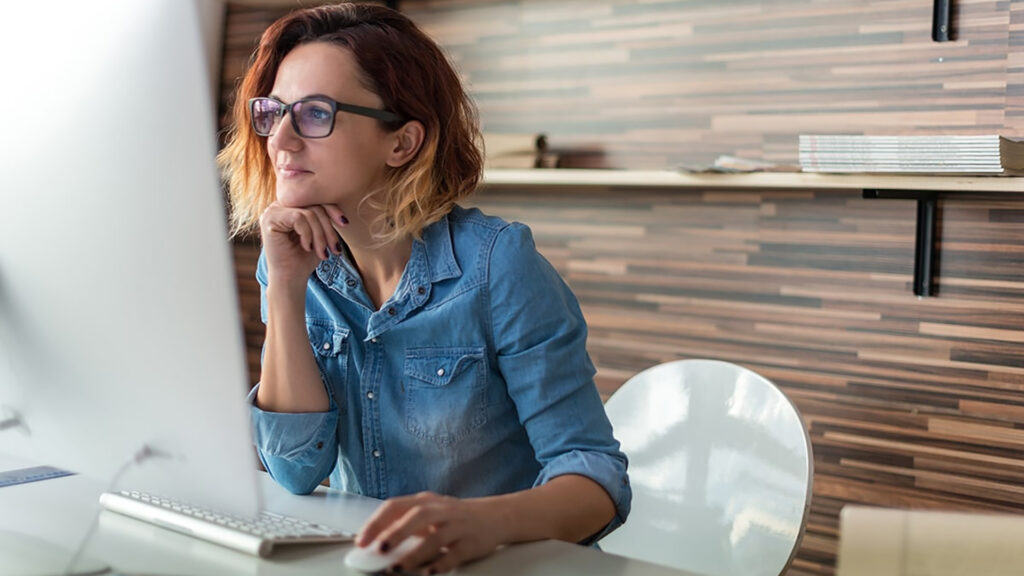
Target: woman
[{"x": 416, "y": 351}]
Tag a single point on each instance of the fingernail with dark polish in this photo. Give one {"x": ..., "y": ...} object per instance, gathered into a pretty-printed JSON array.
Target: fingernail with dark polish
[
  {"x": 384, "y": 546},
  {"x": 338, "y": 246},
  {"x": 396, "y": 568},
  {"x": 343, "y": 219}
]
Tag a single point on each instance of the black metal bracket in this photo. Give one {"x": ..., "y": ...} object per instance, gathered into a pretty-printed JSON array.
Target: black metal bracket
[
  {"x": 942, "y": 22},
  {"x": 924, "y": 248}
]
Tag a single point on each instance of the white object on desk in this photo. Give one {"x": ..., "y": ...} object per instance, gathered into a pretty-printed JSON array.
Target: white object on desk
[
  {"x": 258, "y": 536},
  {"x": 88, "y": 388},
  {"x": 371, "y": 560},
  {"x": 894, "y": 542}
]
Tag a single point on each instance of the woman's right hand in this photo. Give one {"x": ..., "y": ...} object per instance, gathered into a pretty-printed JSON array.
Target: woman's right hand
[{"x": 296, "y": 240}]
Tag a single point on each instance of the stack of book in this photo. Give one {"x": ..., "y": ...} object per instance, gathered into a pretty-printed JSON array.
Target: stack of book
[{"x": 988, "y": 154}]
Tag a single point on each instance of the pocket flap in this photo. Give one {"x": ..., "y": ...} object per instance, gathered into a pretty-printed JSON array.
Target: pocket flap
[
  {"x": 326, "y": 338},
  {"x": 437, "y": 366}
]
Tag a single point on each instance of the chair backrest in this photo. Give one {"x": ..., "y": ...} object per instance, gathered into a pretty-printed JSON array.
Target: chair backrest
[{"x": 720, "y": 465}]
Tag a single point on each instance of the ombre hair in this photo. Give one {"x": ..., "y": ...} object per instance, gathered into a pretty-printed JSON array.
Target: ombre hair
[{"x": 413, "y": 78}]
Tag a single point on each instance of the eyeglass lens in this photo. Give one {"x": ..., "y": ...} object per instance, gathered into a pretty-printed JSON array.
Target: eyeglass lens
[{"x": 311, "y": 118}]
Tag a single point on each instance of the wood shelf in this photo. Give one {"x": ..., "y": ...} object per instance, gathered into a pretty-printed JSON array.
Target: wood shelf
[
  {"x": 764, "y": 180},
  {"x": 923, "y": 189}
]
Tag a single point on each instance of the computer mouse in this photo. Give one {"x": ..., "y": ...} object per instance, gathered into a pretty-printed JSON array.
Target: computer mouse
[{"x": 371, "y": 560}]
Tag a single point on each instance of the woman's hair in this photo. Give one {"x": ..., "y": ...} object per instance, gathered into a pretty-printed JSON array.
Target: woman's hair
[{"x": 410, "y": 73}]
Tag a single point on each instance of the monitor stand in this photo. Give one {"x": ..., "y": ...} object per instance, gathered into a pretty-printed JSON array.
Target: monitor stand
[{"x": 26, "y": 555}]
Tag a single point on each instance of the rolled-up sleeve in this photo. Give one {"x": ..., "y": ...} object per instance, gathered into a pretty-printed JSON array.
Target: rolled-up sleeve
[
  {"x": 540, "y": 339},
  {"x": 299, "y": 450}
]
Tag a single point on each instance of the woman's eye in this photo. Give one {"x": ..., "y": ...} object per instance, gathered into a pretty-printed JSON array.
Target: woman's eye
[{"x": 318, "y": 114}]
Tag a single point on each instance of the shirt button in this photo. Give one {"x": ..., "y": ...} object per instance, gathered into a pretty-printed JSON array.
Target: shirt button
[
  {"x": 350, "y": 282},
  {"x": 376, "y": 453},
  {"x": 374, "y": 340},
  {"x": 392, "y": 311},
  {"x": 327, "y": 345},
  {"x": 440, "y": 371},
  {"x": 369, "y": 395},
  {"x": 319, "y": 445},
  {"x": 421, "y": 290}
]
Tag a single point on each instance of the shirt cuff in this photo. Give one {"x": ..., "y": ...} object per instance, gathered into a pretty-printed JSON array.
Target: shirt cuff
[
  {"x": 609, "y": 472},
  {"x": 300, "y": 438}
]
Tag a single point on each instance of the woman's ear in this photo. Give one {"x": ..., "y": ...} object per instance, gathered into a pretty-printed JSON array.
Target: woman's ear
[{"x": 407, "y": 142}]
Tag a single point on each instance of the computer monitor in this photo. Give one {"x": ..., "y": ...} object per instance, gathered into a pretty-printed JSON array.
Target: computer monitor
[{"x": 119, "y": 320}]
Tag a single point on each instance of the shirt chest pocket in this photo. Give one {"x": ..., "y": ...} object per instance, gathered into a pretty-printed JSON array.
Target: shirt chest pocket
[
  {"x": 445, "y": 392},
  {"x": 330, "y": 349}
]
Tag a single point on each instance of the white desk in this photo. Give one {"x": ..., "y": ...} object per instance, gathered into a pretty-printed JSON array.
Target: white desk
[{"x": 59, "y": 510}]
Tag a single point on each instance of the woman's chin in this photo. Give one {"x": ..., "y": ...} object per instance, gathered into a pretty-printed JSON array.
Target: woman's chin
[{"x": 294, "y": 198}]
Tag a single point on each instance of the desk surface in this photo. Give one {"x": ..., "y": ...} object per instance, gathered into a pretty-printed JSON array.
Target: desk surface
[
  {"x": 562, "y": 177},
  {"x": 60, "y": 510}
]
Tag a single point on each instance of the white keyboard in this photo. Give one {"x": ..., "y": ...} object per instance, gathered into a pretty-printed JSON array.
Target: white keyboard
[{"x": 257, "y": 536}]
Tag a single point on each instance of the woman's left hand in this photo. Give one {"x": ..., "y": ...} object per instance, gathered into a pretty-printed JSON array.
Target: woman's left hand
[{"x": 454, "y": 531}]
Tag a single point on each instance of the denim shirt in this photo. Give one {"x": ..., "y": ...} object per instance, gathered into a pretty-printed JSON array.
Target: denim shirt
[{"x": 472, "y": 380}]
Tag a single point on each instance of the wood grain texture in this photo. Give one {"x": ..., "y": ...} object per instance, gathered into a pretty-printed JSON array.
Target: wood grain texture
[{"x": 632, "y": 84}]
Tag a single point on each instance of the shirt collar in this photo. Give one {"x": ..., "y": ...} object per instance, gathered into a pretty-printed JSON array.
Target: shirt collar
[
  {"x": 437, "y": 241},
  {"x": 433, "y": 255}
]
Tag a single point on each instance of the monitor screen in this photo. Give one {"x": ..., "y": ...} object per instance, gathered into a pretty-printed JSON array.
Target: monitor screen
[{"x": 119, "y": 321}]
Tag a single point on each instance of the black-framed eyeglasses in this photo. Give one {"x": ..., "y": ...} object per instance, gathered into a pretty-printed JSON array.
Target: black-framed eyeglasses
[{"x": 312, "y": 117}]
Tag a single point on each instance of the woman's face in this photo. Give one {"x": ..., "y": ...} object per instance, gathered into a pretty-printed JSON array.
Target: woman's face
[{"x": 343, "y": 167}]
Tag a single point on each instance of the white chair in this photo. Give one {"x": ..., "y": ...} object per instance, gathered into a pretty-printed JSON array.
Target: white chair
[{"x": 721, "y": 469}]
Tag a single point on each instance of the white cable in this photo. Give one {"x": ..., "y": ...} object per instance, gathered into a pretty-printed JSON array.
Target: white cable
[{"x": 140, "y": 456}]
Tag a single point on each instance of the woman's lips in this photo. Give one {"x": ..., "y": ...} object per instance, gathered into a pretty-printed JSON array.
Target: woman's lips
[{"x": 290, "y": 171}]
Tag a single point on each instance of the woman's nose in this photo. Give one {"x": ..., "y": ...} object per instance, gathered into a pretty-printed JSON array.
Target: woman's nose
[{"x": 284, "y": 136}]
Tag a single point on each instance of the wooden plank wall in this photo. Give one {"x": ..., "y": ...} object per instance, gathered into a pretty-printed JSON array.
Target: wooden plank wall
[
  {"x": 1015, "y": 70},
  {"x": 631, "y": 84},
  {"x": 909, "y": 402}
]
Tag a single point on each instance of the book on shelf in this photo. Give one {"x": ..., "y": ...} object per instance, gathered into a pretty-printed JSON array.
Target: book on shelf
[{"x": 946, "y": 154}]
